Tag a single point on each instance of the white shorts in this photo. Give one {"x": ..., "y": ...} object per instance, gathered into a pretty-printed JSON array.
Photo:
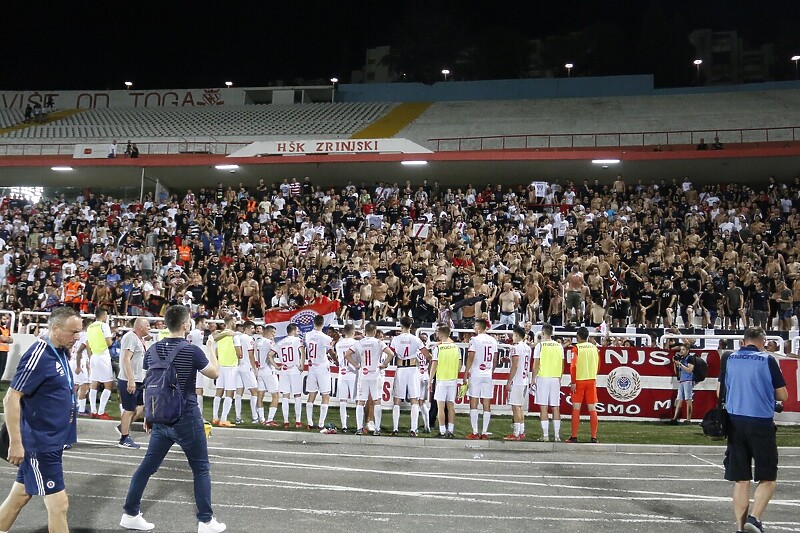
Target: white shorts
[
  {"x": 227, "y": 378},
  {"x": 101, "y": 368},
  {"x": 267, "y": 381},
  {"x": 319, "y": 379},
  {"x": 518, "y": 396},
  {"x": 481, "y": 387},
  {"x": 291, "y": 383},
  {"x": 446, "y": 391},
  {"x": 406, "y": 383},
  {"x": 367, "y": 388},
  {"x": 199, "y": 381},
  {"x": 548, "y": 391},
  {"x": 83, "y": 377},
  {"x": 424, "y": 380},
  {"x": 347, "y": 387},
  {"x": 245, "y": 378}
]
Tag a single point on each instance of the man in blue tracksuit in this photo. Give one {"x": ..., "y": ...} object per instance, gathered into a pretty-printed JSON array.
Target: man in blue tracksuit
[{"x": 753, "y": 383}]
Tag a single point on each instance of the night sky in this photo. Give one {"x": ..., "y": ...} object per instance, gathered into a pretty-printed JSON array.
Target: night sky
[{"x": 181, "y": 44}]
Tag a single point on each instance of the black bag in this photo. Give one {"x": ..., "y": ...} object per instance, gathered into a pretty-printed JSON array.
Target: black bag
[
  {"x": 715, "y": 422},
  {"x": 700, "y": 370},
  {"x": 5, "y": 442}
]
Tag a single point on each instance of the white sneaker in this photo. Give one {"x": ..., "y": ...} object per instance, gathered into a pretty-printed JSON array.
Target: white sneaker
[
  {"x": 371, "y": 426},
  {"x": 210, "y": 527},
  {"x": 136, "y": 522},
  {"x": 557, "y": 439}
]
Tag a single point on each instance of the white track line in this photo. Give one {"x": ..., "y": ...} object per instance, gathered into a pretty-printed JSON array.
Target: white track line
[{"x": 792, "y": 526}]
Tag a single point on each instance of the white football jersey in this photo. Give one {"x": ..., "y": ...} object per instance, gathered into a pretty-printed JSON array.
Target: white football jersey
[
  {"x": 246, "y": 343},
  {"x": 523, "y": 351},
  {"x": 485, "y": 348},
  {"x": 289, "y": 350},
  {"x": 195, "y": 337},
  {"x": 317, "y": 346},
  {"x": 263, "y": 347},
  {"x": 371, "y": 355},
  {"x": 407, "y": 346},
  {"x": 342, "y": 347}
]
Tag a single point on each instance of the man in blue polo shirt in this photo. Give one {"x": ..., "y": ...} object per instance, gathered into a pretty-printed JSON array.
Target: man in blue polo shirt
[
  {"x": 40, "y": 416},
  {"x": 187, "y": 432},
  {"x": 753, "y": 382}
]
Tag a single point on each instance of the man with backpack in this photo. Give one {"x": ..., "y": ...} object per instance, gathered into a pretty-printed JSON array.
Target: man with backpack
[
  {"x": 684, "y": 368},
  {"x": 173, "y": 417}
]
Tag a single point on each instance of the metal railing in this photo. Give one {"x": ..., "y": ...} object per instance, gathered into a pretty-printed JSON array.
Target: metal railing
[
  {"x": 554, "y": 141},
  {"x": 736, "y": 339},
  {"x": 175, "y": 147}
]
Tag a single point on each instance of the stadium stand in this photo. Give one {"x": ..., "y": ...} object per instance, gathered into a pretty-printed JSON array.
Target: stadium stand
[
  {"x": 225, "y": 121},
  {"x": 693, "y": 112}
]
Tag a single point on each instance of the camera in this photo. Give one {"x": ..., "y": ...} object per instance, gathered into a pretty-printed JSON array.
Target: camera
[
  {"x": 778, "y": 407},
  {"x": 677, "y": 357}
]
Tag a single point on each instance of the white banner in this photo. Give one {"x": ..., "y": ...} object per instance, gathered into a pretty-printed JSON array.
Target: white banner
[
  {"x": 95, "y": 151},
  {"x": 330, "y": 146}
]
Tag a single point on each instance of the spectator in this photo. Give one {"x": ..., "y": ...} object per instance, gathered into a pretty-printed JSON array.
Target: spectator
[{"x": 702, "y": 144}]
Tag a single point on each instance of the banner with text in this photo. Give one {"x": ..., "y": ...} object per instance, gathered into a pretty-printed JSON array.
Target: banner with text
[{"x": 330, "y": 146}]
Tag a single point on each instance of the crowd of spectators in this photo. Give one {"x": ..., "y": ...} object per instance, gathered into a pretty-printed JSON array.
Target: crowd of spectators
[{"x": 646, "y": 253}]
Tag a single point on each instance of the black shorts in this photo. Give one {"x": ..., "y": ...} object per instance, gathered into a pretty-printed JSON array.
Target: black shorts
[
  {"x": 130, "y": 401},
  {"x": 751, "y": 442}
]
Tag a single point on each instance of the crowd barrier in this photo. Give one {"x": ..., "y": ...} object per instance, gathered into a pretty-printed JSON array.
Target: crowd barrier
[{"x": 633, "y": 382}]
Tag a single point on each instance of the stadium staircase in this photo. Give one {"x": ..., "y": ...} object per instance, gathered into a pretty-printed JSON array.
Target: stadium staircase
[
  {"x": 394, "y": 121},
  {"x": 52, "y": 116}
]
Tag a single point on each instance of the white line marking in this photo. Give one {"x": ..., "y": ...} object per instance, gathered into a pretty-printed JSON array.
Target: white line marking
[{"x": 709, "y": 462}]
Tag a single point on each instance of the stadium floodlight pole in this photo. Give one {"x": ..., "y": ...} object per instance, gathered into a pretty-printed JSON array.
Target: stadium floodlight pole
[
  {"x": 228, "y": 84},
  {"x": 795, "y": 59},
  {"x": 697, "y": 63},
  {"x": 569, "y": 66},
  {"x": 128, "y": 85},
  {"x": 445, "y": 73},
  {"x": 335, "y": 83}
]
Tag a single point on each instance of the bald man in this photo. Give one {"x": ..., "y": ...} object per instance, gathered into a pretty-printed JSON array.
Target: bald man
[{"x": 129, "y": 381}]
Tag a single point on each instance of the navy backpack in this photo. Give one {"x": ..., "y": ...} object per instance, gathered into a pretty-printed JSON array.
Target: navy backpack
[{"x": 163, "y": 399}]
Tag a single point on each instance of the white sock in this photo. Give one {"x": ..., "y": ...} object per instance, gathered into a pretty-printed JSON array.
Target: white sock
[
  {"x": 442, "y": 430},
  {"x": 310, "y": 413},
  {"x": 414, "y": 417},
  {"x": 343, "y": 413},
  {"x": 378, "y": 413},
  {"x": 93, "y": 400},
  {"x": 285, "y": 409},
  {"x": 104, "y": 396},
  {"x": 82, "y": 405},
  {"x": 359, "y": 416},
  {"x": 451, "y": 427},
  {"x": 237, "y": 403},
  {"x": 323, "y": 413},
  {"x": 557, "y": 428},
  {"x": 473, "y": 419},
  {"x": 254, "y": 408},
  {"x": 517, "y": 429},
  {"x": 487, "y": 416},
  {"x": 226, "y": 407},
  {"x": 298, "y": 412},
  {"x": 522, "y": 428},
  {"x": 260, "y": 413},
  {"x": 426, "y": 415},
  {"x": 545, "y": 428},
  {"x": 200, "y": 403},
  {"x": 271, "y": 415},
  {"x": 217, "y": 401},
  {"x": 396, "y": 417}
]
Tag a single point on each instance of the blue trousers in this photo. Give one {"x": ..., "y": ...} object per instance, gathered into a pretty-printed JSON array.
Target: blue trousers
[{"x": 190, "y": 435}]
